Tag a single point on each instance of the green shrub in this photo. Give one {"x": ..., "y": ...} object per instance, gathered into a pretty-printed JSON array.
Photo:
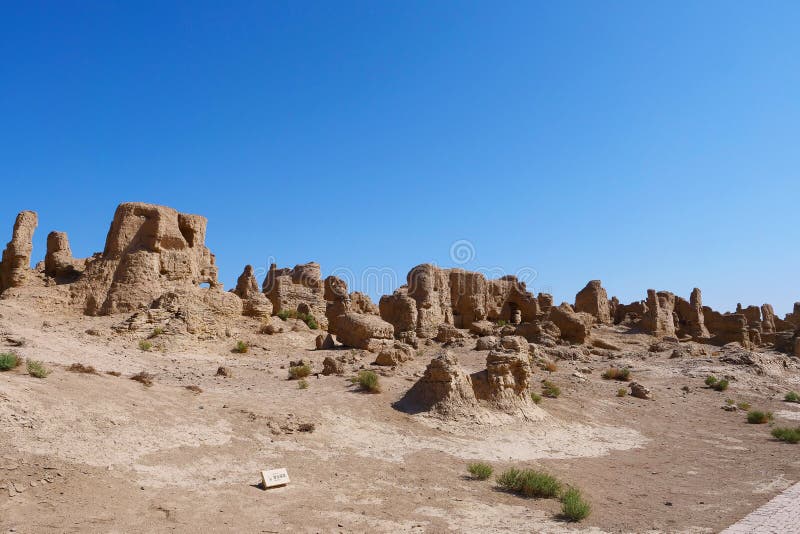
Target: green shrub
[
  {"x": 9, "y": 360},
  {"x": 508, "y": 479},
  {"x": 311, "y": 322},
  {"x": 241, "y": 347},
  {"x": 368, "y": 381},
  {"x": 621, "y": 392},
  {"x": 792, "y": 396},
  {"x": 37, "y": 369},
  {"x": 502, "y": 322},
  {"x": 743, "y": 405},
  {"x": 730, "y": 402},
  {"x": 529, "y": 483},
  {"x": 157, "y": 331},
  {"x": 145, "y": 345},
  {"x": 299, "y": 371},
  {"x": 573, "y": 507},
  {"x": 720, "y": 385},
  {"x": 302, "y": 384},
  {"x": 480, "y": 470},
  {"x": 307, "y": 318},
  {"x": 536, "y": 398},
  {"x": 711, "y": 380},
  {"x": 789, "y": 435},
  {"x": 616, "y": 373},
  {"x": 550, "y": 390},
  {"x": 756, "y": 417}
]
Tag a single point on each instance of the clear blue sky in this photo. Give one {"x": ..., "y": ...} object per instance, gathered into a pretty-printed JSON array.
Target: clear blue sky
[{"x": 648, "y": 144}]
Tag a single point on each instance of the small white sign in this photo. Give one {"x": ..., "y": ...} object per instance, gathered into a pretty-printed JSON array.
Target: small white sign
[{"x": 274, "y": 477}]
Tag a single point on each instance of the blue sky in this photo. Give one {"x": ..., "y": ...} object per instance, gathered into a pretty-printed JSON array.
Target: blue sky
[{"x": 647, "y": 144}]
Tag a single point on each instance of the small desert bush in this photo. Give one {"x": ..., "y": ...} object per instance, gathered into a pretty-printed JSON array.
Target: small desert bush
[
  {"x": 37, "y": 369},
  {"x": 311, "y": 321},
  {"x": 501, "y": 322},
  {"x": 711, "y": 380},
  {"x": 302, "y": 384},
  {"x": 157, "y": 331},
  {"x": 789, "y": 435},
  {"x": 145, "y": 345},
  {"x": 536, "y": 398},
  {"x": 508, "y": 479},
  {"x": 730, "y": 402},
  {"x": 241, "y": 347},
  {"x": 114, "y": 373},
  {"x": 743, "y": 405},
  {"x": 756, "y": 417},
  {"x": 480, "y": 470},
  {"x": 299, "y": 371},
  {"x": 143, "y": 378},
  {"x": 80, "y": 368},
  {"x": 9, "y": 360},
  {"x": 792, "y": 396},
  {"x": 307, "y": 318},
  {"x": 550, "y": 390},
  {"x": 194, "y": 389},
  {"x": 529, "y": 483},
  {"x": 550, "y": 366},
  {"x": 368, "y": 381},
  {"x": 616, "y": 373},
  {"x": 621, "y": 392},
  {"x": 573, "y": 506},
  {"x": 720, "y": 385}
]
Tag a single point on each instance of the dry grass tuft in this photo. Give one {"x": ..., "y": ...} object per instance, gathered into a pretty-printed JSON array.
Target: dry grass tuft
[
  {"x": 369, "y": 381},
  {"x": 80, "y": 368},
  {"x": 550, "y": 390},
  {"x": 37, "y": 369},
  {"x": 143, "y": 378},
  {"x": 299, "y": 371},
  {"x": 617, "y": 373}
]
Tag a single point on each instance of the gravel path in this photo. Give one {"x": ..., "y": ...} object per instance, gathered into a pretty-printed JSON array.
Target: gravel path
[{"x": 779, "y": 516}]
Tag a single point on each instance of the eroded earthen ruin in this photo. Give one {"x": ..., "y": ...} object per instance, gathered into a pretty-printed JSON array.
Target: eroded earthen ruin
[{"x": 156, "y": 266}]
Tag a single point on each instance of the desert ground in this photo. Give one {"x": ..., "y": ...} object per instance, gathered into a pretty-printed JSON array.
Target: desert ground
[{"x": 102, "y": 453}]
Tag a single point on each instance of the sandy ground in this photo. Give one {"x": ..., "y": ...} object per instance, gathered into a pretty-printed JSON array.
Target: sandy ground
[{"x": 99, "y": 453}]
